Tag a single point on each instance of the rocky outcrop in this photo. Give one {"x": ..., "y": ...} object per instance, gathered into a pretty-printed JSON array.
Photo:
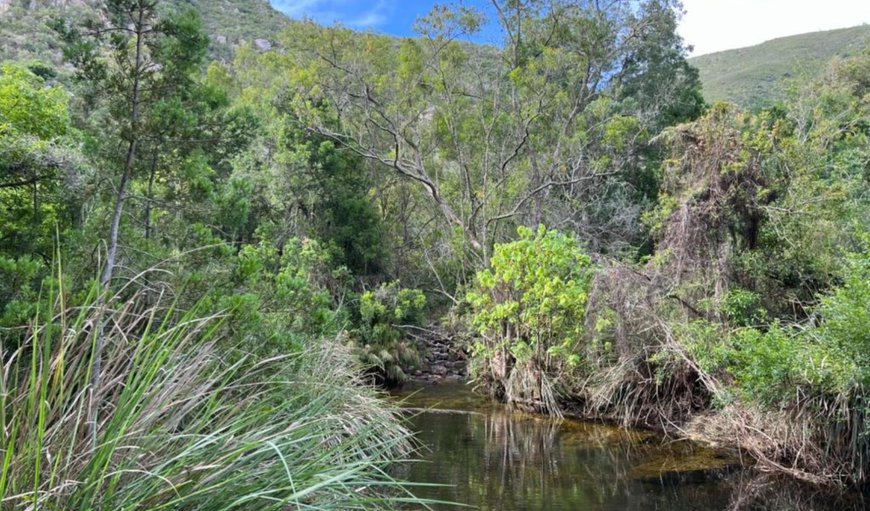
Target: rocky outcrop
[{"x": 444, "y": 358}]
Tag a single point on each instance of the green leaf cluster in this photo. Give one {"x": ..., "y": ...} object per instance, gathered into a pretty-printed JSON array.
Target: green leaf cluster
[
  {"x": 380, "y": 340},
  {"x": 532, "y": 300}
]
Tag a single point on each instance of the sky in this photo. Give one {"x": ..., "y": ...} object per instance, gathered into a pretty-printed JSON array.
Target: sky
[
  {"x": 708, "y": 25},
  {"x": 715, "y": 25},
  {"x": 395, "y": 17}
]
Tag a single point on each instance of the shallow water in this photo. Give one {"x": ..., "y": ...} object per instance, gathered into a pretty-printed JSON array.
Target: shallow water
[{"x": 482, "y": 455}]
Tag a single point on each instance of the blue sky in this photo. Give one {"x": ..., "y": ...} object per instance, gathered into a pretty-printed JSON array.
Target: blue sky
[
  {"x": 395, "y": 17},
  {"x": 709, "y": 25}
]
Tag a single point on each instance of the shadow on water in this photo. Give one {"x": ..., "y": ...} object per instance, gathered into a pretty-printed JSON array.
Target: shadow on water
[{"x": 485, "y": 456}]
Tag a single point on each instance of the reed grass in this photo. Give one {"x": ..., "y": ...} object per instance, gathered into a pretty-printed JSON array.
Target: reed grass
[{"x": 182, "y": 424}]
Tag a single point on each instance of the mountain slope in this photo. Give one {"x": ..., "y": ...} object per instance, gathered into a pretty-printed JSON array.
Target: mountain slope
[
  {"x": 25, "y": 33},
  {"x": 758, "y": 75},
  {"x": 232, "y": 22}
]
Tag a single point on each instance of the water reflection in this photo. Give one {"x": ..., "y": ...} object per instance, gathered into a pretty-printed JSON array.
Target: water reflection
[
  {"x": 496, "y": 460},
  {"x": 770, "y": 492}
]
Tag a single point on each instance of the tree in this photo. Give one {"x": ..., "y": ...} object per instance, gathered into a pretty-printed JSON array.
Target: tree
[
  {"x": 34, "y": 120},
  {"x": 654, "y": 74},
  {"x": 148, "y": 114},
  {"x": 136, "y": 64},
  {"x": 498, "y": 137},
  {"x": 38, "y": 172}
]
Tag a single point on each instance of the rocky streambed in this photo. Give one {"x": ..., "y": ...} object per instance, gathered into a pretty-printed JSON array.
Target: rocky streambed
[{"x": 442, "y": 360}]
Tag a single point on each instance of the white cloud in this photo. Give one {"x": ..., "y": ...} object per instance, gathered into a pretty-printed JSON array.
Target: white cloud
[
  {"x": 715, "y": 25},
  {"x": 298, "y": 8},
  {"x": 369, "y": 19},
  {"x": 375, "y": 16},
  {"x": 353, "y": 13}
]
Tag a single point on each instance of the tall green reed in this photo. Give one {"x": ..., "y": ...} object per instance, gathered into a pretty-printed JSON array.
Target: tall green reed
[{"x": 183, "y": 422}]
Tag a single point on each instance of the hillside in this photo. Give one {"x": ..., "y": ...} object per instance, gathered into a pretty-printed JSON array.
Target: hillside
[
  {"x": 25, "y": 34},
  {"x": 757, "y": 75}
]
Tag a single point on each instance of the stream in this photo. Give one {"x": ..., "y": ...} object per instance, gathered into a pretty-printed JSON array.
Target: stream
[{"x": 478, "y": 453}]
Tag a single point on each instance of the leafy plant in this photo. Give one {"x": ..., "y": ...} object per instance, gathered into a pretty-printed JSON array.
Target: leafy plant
[
  {"x": 380, "y": 340},
  {"x": 34, "y": 161},
  {"x": 743, "y": 308},
  {"x": 282, "y": 296},
  {"x": 529, "y": 309}
]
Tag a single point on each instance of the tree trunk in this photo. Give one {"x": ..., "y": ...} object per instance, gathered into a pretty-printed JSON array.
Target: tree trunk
[
  {"x": 120, "y": 198},
  {"x": 150, "y": 196}
]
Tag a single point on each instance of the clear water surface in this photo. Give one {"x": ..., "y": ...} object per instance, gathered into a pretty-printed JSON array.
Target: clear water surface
[{"x": 479, "y": 454}]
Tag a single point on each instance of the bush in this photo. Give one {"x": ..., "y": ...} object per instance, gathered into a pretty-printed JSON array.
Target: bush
[
  {"x": 380, "y": 341},
  {"x": 529, "y": 310},
  {"x": 845, "y": 313},
  {"x": 743, "y": 308},
  {"x": 830, "y": 359},
  {"x": 279, "y": 297}
]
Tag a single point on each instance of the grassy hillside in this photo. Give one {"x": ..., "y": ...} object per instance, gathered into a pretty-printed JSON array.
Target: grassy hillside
[
  {"x": 25, "y": 34},
  {"x": 757, "y": 75}
]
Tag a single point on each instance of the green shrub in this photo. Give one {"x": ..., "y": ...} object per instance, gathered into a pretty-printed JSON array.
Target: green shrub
[
  {"x": 845, "y": 313},
  {"x": 282, "y": 296},
  {"x": 828, "y": 359},
  {"x": 18, "y": 295},
  {"x": 529, "y": 310},
  {"x": 379, "y": 340},
  {"x": 776, "y": 364},
  {"x": 743, "y": 308}
]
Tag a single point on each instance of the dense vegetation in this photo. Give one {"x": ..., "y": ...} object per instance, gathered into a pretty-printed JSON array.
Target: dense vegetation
[{"x": 207, "y": 257}]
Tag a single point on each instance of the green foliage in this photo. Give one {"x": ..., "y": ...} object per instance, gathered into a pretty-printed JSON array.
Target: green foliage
[
  {"x": 34, "y": 163},
  {"x": 379, "y": 340},
  {"x": 743, "y": 308},
  {"x": 777, "y": 364},
  {"x": 29, "y": 107},
  {"x": 704, "y": 342},
  {"x": 280, "y": 297},
  {"x": 18, "y": 277},
  {"x": 392, "y": 305},
  {"x": 771, "y": 366},
  {"x": 530, "y": 305},
  {"x": 657, "y": 76},
  {"x": 845, "y": 313},
  {"x": 347, "y": 218}
]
